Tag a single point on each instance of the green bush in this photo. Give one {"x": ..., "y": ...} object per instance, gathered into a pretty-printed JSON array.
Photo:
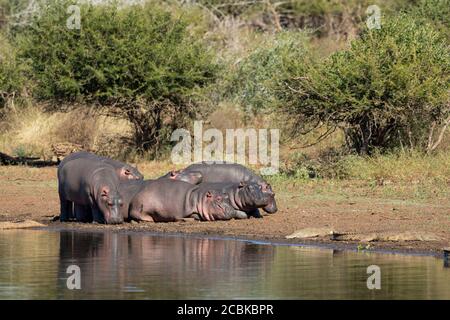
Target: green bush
[
  {"x": 436, "y": 12},
  {"x": 11, "y": 73},
  {"x": 253, "y": 82},
  {"x": 138, "y": 62},
  {"x": 390, "y": 89}
]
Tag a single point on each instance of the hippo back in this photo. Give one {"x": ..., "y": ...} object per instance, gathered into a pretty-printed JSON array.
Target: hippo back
[
  {"x": 215, "y": 172},
  {"x": 114, "y": 163}
]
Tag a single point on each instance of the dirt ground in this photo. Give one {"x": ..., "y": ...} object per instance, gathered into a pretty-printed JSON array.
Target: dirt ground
[{"x": 31, "y": 193}]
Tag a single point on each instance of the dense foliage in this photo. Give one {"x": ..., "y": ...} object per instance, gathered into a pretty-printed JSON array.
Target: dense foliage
[
  {"x": 155, "y": 64},
  {"x": 254, "y": 79},
  {"x": 11, "y": 73},
  {"x": 138, "y": 61},
  {"x": 390, "y": 89}
]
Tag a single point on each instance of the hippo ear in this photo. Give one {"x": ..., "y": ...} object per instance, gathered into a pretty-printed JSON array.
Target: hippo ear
[
  {"x": 241, "y": 184},
  {"x": 209, "y": 194}
]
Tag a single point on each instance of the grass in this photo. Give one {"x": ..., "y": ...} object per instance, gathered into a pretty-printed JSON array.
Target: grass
[
  {"x": 410, "y": 176},
  {"x": 30, "y": 131}
]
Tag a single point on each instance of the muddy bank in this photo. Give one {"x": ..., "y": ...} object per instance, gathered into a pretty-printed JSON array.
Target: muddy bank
[{"x": 31, "y": 194}]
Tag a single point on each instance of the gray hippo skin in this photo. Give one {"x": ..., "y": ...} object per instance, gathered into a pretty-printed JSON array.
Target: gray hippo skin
[
  {"x": 216, "y": 172},
  {"x": 91, "y": 187},
  {"x": 165, "y": 200},
  {"x": 246, "y": 198},
  {"x": 127, "y": 190},
  {"x": 123, "y": 170},
  {"x": 192, "y": 177}
]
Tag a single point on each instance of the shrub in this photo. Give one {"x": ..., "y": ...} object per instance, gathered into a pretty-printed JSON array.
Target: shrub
[
  {"x": 137, "y": 62},
  {"x": 256, "y": 76},
  {"x": 436, "y": 12},
  {"x": 11, "y": 73},
  {"x": 390, "y": 89}
]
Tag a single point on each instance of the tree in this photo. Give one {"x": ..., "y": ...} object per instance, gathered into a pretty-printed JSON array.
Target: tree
[
  {"x": 11, "y": 73},
  {"x": 136, "y": 62},
  {"x": 389, "y": 89}
]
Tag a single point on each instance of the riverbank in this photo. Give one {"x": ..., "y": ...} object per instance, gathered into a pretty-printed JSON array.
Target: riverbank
[{"x": 343, "y": 206}]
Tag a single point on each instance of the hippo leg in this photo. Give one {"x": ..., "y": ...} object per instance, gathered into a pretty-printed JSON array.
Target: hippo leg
[
  {"x": 146, "y": 218},
  {"x": 240, "y": 215},
  {"x": 66, "y": 210},
  {"x": 254, "y": 213},
  {"x": 97, "y": 216},
  {"x": 82, "y": 213}
]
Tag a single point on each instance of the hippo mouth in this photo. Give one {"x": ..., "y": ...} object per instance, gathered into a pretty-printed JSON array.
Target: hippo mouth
[
  {"x": 223, "y": 211},
  {"x": 271, "y": 207},
  {"x": 228, "y": 211},
  {"x": 256, "y": 198},
  {"x": 113, "y": 215}
]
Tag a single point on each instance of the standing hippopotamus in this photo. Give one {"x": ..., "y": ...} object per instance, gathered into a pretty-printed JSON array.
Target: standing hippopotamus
[
  {"x": 246, "y": 198},
  {"x": 172, "y": 200},
  {"x": 124, "y": 171},
  {"x": 91, "y": 186},
  {"x": 215, "y": 172}
]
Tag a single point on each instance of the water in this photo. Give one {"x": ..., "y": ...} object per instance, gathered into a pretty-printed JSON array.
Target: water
[{"x": 33, "y": 265}]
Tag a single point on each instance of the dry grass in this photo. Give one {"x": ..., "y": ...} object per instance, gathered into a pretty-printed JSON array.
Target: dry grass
[
  {"x": 409, "y": 167},
  {"x": 31, "y": 131}
]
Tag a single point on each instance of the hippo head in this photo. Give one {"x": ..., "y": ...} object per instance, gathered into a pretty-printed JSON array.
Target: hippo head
[
  {"x": 192, "y": 177},
  {"x": 216, "y": 206},
  {"x": 271, "y": 207},
  {"x": 109, "y": 204},
  {"x": 128, "y": 172},
  {"x": 251, "y": 195}
]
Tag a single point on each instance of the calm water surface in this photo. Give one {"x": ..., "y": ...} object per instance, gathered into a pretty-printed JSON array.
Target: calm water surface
[{"x": 33, "y": 265}]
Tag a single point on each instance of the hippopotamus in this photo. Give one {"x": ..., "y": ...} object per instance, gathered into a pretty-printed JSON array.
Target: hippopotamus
[
  {"x": 124, "y": 171},
  {"x": 192, "y": 177},
  {"x": 246, "y": 198},
  {"x": 91, "y": 186},
  {"x": 127, "y": 190},
  {"x": 165, "y": 200},
  {"x": 215, "y": 172}
]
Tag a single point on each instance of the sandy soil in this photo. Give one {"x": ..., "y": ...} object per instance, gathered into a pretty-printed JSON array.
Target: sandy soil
[{"x": 31, "y": 193}]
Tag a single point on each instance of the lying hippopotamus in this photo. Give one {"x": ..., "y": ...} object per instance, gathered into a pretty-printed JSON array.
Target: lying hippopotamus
[
  {"x": 129, "y": 188},
  {"x": 124, "y": 171},
  {"x": 168, "y": 200},
  {"x": 91, "y": 186},
  {"x": 193, "y": 177},
  {"x": 246, "y": 198},
  {"x": 213, "y": 172}
]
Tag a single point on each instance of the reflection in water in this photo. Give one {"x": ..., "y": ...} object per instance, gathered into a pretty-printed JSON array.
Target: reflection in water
[
  {"x": 33, "y": 264},
  {"x": 113, "y": 265}
]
